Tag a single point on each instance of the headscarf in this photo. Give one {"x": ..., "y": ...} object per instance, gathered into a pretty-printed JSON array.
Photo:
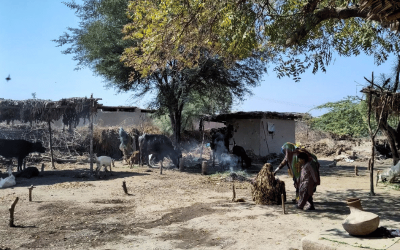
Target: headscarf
[{"x": 291, "y": 152}]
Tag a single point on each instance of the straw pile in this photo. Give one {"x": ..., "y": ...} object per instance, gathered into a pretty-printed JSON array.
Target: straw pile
[{"x": 267, "y": 190}]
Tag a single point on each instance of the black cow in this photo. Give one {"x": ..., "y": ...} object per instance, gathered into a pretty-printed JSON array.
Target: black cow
[
  {"x": 19, "y": 149},
  {"x": 159, "y": 147},
  {"x": 243, "y": 157}
]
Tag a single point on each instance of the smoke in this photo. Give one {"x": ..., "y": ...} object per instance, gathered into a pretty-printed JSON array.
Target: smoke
[{"x": 229, "y": 161}]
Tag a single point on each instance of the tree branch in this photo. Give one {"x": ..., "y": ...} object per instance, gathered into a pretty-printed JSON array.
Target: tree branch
[{"x": 313, "y": 19}]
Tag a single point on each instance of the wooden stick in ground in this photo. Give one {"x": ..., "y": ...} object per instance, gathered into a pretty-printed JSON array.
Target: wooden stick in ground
[
  {"x": 356, "y": 170},
  {"x": 51, "y": 147},
  {"x": 161, "y": 167},
  {"x": 11, "y": 209},
  {"x": 124, "y": 187},
  {"x": 30, "y": 192},
  {"x": 283, "y": 203},
  {"x": 234, "y": 192}
]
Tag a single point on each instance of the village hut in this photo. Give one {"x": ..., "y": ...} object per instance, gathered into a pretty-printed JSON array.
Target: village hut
[{"x": 261, "y": 132}]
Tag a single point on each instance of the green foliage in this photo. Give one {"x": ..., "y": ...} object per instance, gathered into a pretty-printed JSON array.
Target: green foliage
[
  {"x": 192, "y": 111},
  {"x": 98, "y": 43},
  {"x": 294, "y": 34},
  {"x": 345, "y": 117}
]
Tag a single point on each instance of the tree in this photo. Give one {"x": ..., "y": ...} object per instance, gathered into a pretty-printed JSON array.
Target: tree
[
  {"x": 296, "y": 35},
  {"x": 98, "y": 43},
  {"x": 383, "y": 96},
  {"x": 344, "y": 117}
]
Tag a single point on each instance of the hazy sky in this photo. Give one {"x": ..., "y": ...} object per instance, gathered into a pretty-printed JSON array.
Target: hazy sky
[{"x": 36, "y": 65}]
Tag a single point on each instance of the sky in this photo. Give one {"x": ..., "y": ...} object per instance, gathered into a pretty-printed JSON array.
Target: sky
[{"x": 37, "y": 67}]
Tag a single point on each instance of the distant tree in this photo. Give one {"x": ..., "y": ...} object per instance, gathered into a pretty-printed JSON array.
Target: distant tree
[
  {"x": 295, "y": 35},
  {"x": 98, "y": 44},
  {"x": 344, "y": 117}
]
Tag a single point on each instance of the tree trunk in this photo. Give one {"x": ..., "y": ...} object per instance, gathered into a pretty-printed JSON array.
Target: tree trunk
[
  {"x": 392, "y": 144},
  {"x": 371, "y": 166},
  {"x": 176, "y": 119}
]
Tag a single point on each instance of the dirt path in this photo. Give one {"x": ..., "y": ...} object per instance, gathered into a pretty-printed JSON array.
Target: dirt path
[{"x": 177, "y": 210}]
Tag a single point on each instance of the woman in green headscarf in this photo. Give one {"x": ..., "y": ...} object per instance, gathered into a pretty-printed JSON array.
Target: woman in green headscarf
[{"x": 291, "y": 160}]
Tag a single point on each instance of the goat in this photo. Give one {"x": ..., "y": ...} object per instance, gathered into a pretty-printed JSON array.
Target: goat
[
  {"x": 133, "y": 159},
  {"x": 104, "y": 161}
]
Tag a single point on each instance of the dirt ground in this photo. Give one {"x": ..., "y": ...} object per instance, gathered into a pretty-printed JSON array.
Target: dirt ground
[{"x": 179, "y": 210}]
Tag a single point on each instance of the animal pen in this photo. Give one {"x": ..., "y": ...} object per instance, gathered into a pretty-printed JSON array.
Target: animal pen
[{"x": 70, "y": 110}]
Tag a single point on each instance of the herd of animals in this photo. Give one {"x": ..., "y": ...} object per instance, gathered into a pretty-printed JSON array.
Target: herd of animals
[{"x": 153, "y": 148}]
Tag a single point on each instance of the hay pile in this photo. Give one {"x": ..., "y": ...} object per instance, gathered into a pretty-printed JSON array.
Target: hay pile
[{"x": 267, "y": 190}]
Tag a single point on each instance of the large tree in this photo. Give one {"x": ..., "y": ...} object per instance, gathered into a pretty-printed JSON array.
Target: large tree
[
  {"x": 98, "y": 43},
  {"x": 295, "y": 35}
]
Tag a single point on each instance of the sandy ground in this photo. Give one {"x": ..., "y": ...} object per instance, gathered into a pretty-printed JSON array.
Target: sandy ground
[{"x": 178, "y": 210}]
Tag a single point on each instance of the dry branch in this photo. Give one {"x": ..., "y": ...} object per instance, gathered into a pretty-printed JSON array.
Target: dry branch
[{"x": 11, "y": 209}]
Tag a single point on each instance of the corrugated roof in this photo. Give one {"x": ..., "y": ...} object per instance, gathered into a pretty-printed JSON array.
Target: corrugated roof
[{"x": 252, "y": 115}]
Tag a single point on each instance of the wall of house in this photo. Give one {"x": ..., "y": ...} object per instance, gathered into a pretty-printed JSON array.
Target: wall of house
[
  {"x": 246, "y": 134},
  {"x": 117, "y": 118},
  {"x": 271, "y": 142}
]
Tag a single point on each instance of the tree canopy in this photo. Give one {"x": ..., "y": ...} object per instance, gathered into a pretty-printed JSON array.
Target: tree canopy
[
  {"x": 98, "y": 43},
  {"x": 293, "y": 34}
]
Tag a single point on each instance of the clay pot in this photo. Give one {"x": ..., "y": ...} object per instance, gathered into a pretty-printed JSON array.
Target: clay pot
[{"x": 359, "y": 222}]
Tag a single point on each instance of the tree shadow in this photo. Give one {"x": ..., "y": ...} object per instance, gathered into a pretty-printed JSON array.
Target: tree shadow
[
  {"x": 56, "y": 176},
  {"x": 332, "y": 204}
]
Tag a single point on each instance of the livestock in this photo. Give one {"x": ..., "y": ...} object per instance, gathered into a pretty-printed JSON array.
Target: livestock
[
  {"x": 105, "y": 161},
  {"x": 133, "y": 159},
  {"x": 160, "y": 147},
  {"x": 243, "y": 157},
  {"x": 127, "y": 143},
  {"x": 19, "y": 149},
  {"x": 28, "y": 173}
]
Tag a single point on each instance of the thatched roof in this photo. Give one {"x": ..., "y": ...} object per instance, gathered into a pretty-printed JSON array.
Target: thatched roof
[
  {"x": 36, "y": 110},
  {"x": 387, "y": 10},
  {"x": 392, "y": 103},
  {"x": 252, "y": 115}
]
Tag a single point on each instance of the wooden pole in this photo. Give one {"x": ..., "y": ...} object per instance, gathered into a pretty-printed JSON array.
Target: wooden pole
[
  {"x": 42, "y": 169},
  {"x": 356, "y": 170},
  {"x": 202, "y": 143},
  {"x": 124, "y": 187},
  {"x": 204, "y": 167},
  {"x": 91, "y": 133},
  {"x": 30, "y": 192},
  {"x": 11, "y": 209},
  {"x": 283, "y": 203},
  {"x": 51, "y": 147},
  {"x": 234, "y": 192},
  {"x": 161, "y": 167},
  {"x": 181, "y": 165}
]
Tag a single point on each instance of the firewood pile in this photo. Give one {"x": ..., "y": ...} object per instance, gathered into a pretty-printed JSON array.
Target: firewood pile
[{"x": 267, "y": 190}]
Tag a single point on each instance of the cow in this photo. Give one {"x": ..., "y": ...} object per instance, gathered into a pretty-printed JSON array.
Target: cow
[
  {"x": 159, "y": 146},
  {"x": 19, "y": 149},
  {"x": 243, "y": 157}
]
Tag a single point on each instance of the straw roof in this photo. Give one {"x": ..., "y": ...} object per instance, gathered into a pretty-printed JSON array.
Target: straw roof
[
  {"x": 380, "y": 98},
  {"x": 387, "y": 10},
  {"x": 36, "y": 110}
]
